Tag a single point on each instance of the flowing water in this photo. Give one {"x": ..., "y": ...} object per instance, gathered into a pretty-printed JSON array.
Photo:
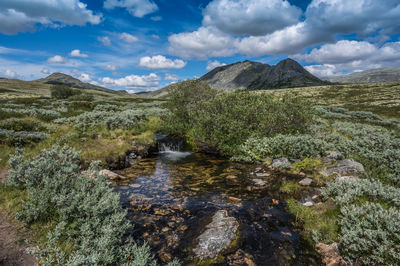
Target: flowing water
[{"x": 172, "y": 195}]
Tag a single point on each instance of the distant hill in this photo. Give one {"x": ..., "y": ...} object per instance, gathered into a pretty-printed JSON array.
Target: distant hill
[
  {"x": 254, "y": 76},
  {"x": 369, "y": 76},
  {"x": 257, "y": 76},
  {"x": 64, "y": 79}
]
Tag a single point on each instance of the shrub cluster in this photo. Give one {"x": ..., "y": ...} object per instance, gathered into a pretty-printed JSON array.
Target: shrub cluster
[
  {"x": 89, "y": 218},
  {"x": 33, "y": 111},
  {"x": 223, "y": 121}
]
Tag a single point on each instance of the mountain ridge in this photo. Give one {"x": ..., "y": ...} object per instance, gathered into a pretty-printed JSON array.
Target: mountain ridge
[{"x": 368, "y": 76}]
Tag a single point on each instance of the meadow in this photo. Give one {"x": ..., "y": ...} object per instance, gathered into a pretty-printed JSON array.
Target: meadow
[{"x": 72, "y": 138}]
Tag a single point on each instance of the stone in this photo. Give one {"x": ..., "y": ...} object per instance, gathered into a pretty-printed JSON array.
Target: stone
[
  {"x": 306, "y": 181},
  {"x": 281, "y": 162},
  {"x": 330, "y": 254},
  {"x": 345, "y": 167},
  {"x": 259, "y": 182},
  {"x": 231, "y": 177},
  {"x": 262, "y": 174},
  {"x": 218, "y": 235},
  {"x": 234, "y": 199},
  {"x": 112, "y": 175},
  {"x": 334, "y": 155},
  {"x": 315, "y": 197},
  {"x": 135, "y": 185},
  {"x": 308, "y": 203}
]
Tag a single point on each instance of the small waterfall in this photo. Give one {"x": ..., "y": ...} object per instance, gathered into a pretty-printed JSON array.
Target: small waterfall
[{"x": 171, "y": 148}]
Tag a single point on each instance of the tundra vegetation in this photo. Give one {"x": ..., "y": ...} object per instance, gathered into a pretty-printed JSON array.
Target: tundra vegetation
[{"x": 47, "y": 142}]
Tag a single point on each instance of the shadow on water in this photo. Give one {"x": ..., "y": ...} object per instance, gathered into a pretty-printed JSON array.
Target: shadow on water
[{"x": 172, "y": 196}]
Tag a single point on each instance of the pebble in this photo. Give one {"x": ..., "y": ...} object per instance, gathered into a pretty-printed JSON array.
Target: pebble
[
  {"x": 259, "y": 182},
  {"x": 262, "y": 174}
]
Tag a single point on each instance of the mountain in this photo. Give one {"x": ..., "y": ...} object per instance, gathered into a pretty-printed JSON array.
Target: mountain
[
  {"x": 257, "y": 76},
  {"x": 64, "y": 79},
  {"x": 369, "y": 76}
]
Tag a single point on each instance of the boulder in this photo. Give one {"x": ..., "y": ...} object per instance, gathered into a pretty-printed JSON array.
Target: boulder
[
  {"x": 218, "y": 235},
  {"x": 281, "y": 162},
  {"x": 345, "y": 177},
  {"x": 345, "y": 167},
  {"x": 306, "y": 181},
  {"x": 330, "y": 254}
]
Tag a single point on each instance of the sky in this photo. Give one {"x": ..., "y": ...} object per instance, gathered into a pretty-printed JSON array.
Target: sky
[{"x": 144, "y": 45}]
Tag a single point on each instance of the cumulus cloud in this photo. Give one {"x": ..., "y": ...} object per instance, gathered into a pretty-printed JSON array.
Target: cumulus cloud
[
  {"x": 253, "y": 17},
  {"x": 171, "y": 77},
  {"x": 57, "y": 59},
  {"x": 213, "y": 64},
  {"x": 22, "y": 15},
  {"x": 126, "y": 37},
  {"x": 203, "y": 43},
  {"x": 77, "y": 53},
  {"x": 136, "y": 82},
  {"x": 155, "y": 36},
  {"x": 351, "y": 56},
  {"x": 161, "y": 62},
  {"x": 110, "y": 67},
  {"x": 45, "y": 71},
  {"x": 105, "y": 40},
  {"x": 137, "y": 8}
]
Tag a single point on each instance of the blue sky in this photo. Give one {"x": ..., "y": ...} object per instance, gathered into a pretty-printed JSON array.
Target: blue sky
[{"x": 143, "y": 45}]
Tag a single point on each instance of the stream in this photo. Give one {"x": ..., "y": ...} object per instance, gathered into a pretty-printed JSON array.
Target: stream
[{"x": 171, "y": 198}]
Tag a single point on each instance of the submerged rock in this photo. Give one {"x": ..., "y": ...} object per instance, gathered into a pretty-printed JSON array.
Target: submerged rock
[
  {"x": 281, "y": 162},
  {"x": 112, "y": 175},
  {"x": 218, "y": 235},
  {"x": 259, "y": 182}
]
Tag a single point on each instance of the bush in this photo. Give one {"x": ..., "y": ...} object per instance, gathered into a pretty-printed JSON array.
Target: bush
[
  {"x": 291, "y": 146},
  {"x": 61, "y": 91},
  {"x": 88, "y": 214},
  {"x": 221, "y": 122}
]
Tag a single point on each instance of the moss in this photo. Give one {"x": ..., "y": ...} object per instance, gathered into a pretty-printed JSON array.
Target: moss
[{"x": 290, "y": 187}]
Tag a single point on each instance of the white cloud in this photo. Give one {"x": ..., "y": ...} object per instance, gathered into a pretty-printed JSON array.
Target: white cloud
[
  {"x": 171, "y": 77},
  {"x": 45, "y": 71},
  {"x": 161, "y": 62},
  {"x": 8, "y": 73},
  {"x": 203, "y": 43},
  {"x": 105, "y": 40},
  {"x": 57, "y": 59},
  {"x": 77, "y": 53},
  {"x": 213, "y": 64},
  {"x": 126, "y": 37},
  {"x": 253, "y": 17},
  {"x": 156, "y": 18},
  {"x": 155, "y": 36},
  {"x": 144, "y": 82},
  {"x": 137, "y": 8},
  {"x": 110, "y": 67},
  {"x": 351, "y": 56},
  {"x": 85, "y": 77},
  {"x": 22, "y": 15}
]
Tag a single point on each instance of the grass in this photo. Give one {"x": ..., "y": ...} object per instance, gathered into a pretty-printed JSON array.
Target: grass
[{"x": 380, "y": 98}]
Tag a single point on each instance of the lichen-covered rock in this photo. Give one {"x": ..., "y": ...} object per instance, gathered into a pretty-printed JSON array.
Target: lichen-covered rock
[
  {"x": 306, "y": 181},
  {"x": 281, "y": 162},
  {"x": 218, "y": 235},
  {"x": 345, "y": 167},
  {"x": 112, "y": 175}
]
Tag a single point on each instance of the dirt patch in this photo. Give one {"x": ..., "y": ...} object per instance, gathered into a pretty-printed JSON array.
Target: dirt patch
[{"x": 12, "y": 239}]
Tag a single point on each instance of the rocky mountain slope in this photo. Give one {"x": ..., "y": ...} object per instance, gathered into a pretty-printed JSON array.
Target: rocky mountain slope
[
  {"x": 369, "y": 76},
  {"x": 257, "y": 76},
  {"x": 64, "y": 79}
]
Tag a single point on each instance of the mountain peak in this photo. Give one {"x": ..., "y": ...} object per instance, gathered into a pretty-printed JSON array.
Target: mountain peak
[{"x": 258, "y": 76}]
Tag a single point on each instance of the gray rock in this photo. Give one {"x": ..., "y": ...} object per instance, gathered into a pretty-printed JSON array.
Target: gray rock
[
  {"x": 281, "y": 162},
  {"x": 112, "y": 175},
  {"x": 345, "y": 177},
  {"x": 262, "y": 174},
  {"x": 305, "y": 182},
  {"x": 345, "y": 167},
  {"x": 308, "y": 203},
  {"x": 218, "y": 235},
  {"x": 259, "y": 182},
  {"x": 334, "y": 155}
]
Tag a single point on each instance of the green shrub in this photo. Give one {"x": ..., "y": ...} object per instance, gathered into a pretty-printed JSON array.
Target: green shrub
[
  {"x": 291, "y": 146},
  {"x": 23, "y": 125},
  {"x": 61, "y": 91},
  {"x": 222, "y": 122},
  {"x": 81, "y": 97},
  {"x": 370, "y": 234},
  {"x": 89, "y": 217}
]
